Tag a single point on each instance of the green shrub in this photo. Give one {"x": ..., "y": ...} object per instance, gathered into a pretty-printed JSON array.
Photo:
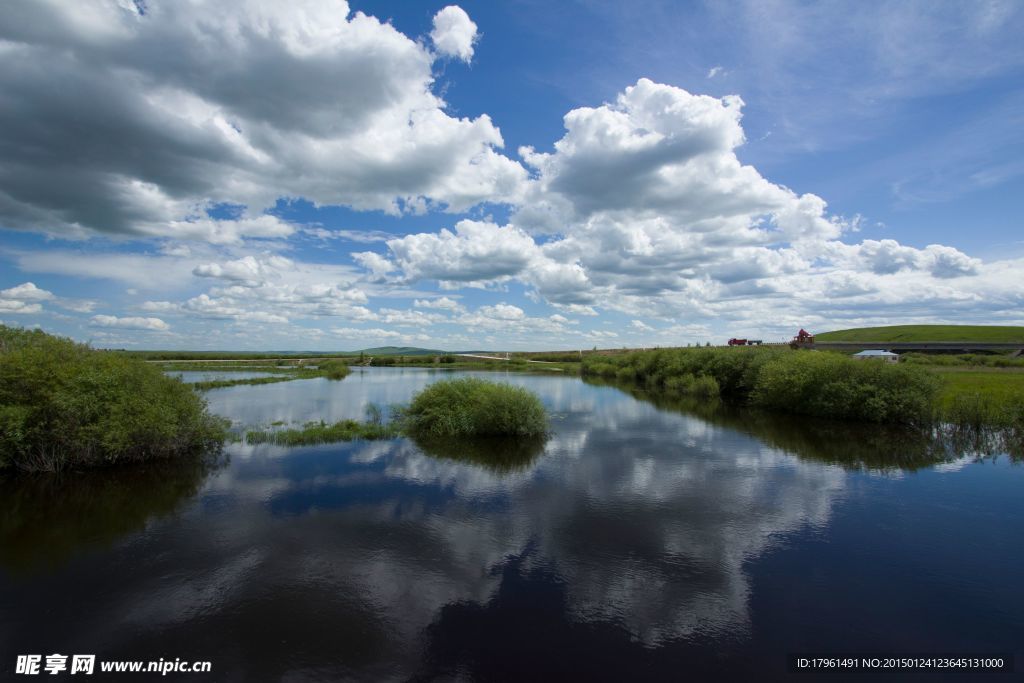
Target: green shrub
[
  {"x": 705, "y": 386},
  {"x": 334, "y": 369},
  {"x": 475, "y": 407},
  {"x": 808, "y": 383},
  {"x": 686, "y": 384},
  {"x": 64, "y": 404},
  {"x": 833, "y": 385}
]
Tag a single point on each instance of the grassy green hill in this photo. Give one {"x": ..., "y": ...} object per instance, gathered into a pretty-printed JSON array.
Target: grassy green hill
[
  {"x": 925, "y": 333},
  {"x": 400, "y": 351}
]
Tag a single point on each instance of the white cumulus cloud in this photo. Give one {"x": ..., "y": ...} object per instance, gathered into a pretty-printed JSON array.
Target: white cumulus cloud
[
  {"x": 262, "y": 100},
  {"x": 130, "y": 323},
  {"x": 454, "y": 33}
]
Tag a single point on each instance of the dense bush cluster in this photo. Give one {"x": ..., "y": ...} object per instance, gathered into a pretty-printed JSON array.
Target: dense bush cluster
[
  {"x": 64, "y": 404},
  {"x": 804, "y": 382},
  {"x": 475, "y": 407},
  {"x": 833, "y": 385}
]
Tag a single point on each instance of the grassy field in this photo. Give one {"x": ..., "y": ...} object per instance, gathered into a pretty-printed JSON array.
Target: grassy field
[
  {"x": 998, "y": 384},
  {"x": 923, "y": 333}
]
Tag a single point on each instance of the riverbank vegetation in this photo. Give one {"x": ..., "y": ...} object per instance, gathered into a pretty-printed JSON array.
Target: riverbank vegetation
[
  {"x": 64, "y": 404},
  {"x": 782, "y": 380},
  {"x": 852, "y": 445},
  {"x": 829, "y": 385}
]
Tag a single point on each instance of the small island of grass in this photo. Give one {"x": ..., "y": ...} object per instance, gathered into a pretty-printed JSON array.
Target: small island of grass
[
  {"x": 471, "y": 407},
  {"x": 460, "y": 410}
]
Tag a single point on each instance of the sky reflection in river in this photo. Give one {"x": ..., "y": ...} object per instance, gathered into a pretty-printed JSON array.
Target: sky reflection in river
[{"x": 635, "y": 542}]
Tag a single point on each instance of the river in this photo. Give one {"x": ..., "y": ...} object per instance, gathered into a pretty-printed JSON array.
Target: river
[{"x": 640, "y": 542}]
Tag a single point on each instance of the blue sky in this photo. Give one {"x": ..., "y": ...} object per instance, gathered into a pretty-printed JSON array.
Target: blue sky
[{"x": 506, "y": 175}]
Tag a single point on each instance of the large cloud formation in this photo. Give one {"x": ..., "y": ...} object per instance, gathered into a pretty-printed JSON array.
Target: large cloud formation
[
  {"x": 187, "y": 121},
  {"x": 644, "y": 207},
  {"x": 135, "y": 118}
]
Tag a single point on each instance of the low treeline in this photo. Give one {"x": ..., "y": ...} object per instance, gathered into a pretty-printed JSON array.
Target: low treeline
[
  {"x": 821, "y": 384},
  {"x": 388, "y": 361},
  {"x": 64, "y": 404}
]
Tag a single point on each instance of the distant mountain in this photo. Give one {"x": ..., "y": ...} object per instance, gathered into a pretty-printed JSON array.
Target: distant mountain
[{"x": 400, "y": 351}]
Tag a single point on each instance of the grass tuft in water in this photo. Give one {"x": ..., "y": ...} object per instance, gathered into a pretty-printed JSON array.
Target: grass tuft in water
[
  {"x": 471, "y": 407},
  {"x": 321, "y": 432}
]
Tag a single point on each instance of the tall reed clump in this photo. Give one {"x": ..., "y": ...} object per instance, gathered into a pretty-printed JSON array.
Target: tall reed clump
[
  {"x": 807, "y": 383},
  {"x": 475, "y": 407},
  {"x": 63, "y": 404}
]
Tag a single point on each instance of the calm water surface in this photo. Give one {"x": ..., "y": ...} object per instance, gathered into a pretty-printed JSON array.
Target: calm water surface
[{"x": 638, "y": 543}]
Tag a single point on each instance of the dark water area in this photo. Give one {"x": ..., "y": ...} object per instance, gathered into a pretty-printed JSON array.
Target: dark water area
[{"x": 643, "y": 540}]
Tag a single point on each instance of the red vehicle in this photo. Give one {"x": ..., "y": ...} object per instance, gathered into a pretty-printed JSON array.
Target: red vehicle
[{"x": 737, "y": 342}]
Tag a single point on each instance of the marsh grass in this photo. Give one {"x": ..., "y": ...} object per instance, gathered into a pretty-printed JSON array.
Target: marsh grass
[
  {"x": 331, "y": 369},
  {"x": 206, "y": 385},
  {"x": 471, "y": 407},
  {"x": 965, "y": 360},
  {"x": 321, "y": 432}
]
